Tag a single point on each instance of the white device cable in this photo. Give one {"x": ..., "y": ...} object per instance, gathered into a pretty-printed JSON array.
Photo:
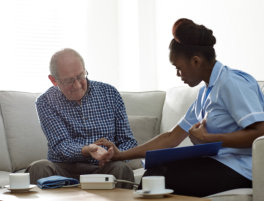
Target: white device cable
[{"x": 135, "y": 185}]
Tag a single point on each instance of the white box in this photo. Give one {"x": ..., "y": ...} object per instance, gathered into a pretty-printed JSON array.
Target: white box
[{"x": 97, "y": 181}]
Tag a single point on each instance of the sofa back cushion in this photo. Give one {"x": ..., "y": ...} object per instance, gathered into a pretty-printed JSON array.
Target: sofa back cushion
[
  {"x": 25, "y": 139},
  {"x": 144, "y": 110},
  {"x": 143, "y": 127},
  {"x": 5, "y": 163},
  {"x": 177, "y": 102},
  {"x": 261, "y": 85}
]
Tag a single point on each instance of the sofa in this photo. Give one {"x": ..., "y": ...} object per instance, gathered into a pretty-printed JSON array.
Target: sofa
[{"x": 150, "y": 113}]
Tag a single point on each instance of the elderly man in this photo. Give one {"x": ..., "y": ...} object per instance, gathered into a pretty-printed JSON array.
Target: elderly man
[{"x": 74, "y": 114}]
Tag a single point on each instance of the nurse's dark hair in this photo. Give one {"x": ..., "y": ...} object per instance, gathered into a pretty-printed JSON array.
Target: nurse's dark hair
[{"x": 191, "y": 39}]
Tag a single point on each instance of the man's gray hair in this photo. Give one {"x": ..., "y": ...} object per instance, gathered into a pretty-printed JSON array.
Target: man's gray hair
[{"x": 54, "y": 59}]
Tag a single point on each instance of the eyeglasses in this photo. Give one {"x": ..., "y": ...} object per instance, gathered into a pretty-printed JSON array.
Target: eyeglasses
[{"x": 71, "y": 81}]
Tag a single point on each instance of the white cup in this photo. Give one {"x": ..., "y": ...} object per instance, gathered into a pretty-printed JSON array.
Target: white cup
[
  {"x": 19, "y": 180},
  {"x": 153, "y": 184}
]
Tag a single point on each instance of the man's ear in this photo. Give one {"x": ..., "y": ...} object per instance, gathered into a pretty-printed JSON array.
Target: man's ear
[{"x": 53, "y": 80}]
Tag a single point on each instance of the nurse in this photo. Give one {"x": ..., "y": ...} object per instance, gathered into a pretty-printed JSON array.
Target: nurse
[{"x": 229, "y": 108}]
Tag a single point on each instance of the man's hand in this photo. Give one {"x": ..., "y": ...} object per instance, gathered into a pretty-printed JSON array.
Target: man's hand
[
  {"x": 198, "y": 133},
  {"x": 112, "y": 153},
  {"x": 98, "y": 153}
]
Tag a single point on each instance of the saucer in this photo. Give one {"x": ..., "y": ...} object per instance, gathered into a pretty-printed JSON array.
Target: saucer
[
  {"x": 153, "y": 194},
  {"x": 20, "y": 190}
]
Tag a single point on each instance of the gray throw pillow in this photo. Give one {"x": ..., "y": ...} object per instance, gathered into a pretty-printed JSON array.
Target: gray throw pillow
[{"x": 143, "y": 127}]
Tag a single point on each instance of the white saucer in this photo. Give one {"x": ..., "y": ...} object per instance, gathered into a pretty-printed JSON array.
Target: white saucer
[
  {"x": 153, "y": 194},
  {"x": 20, "y": 190}
]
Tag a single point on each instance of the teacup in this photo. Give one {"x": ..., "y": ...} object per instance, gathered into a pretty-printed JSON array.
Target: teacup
[
  {"x": 19, "y": 180},
  {"x": 153, "y": 184}
]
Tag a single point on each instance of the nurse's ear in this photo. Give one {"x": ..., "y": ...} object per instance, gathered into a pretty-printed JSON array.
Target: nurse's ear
[{"x": 196, "y": 61}]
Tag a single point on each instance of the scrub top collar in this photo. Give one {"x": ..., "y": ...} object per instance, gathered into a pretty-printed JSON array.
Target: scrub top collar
[{"x": 217, "y": 69}]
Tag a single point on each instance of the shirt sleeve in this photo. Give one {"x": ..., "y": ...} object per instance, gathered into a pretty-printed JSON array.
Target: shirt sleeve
[
  {"x": 189, "y": 119},
  {"x": 60, "y": 143},
  {"x": 124, "y": 138},
  {"x": 243, "y": 99}
]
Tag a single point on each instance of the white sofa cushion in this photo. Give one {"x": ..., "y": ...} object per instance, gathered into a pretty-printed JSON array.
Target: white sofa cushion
[
  {"x": 240, "y": 194},
  {"x": 5, "y": 163},
  {"x": 177, "y": 102},
  {"x": 25, "y": 139},
  {"x": 261, "y": 85},
  {"x": 257, "y": 168}
]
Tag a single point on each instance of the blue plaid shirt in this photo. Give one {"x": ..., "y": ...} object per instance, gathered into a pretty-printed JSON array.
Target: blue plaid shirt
[{"x": 69, "y": 126}]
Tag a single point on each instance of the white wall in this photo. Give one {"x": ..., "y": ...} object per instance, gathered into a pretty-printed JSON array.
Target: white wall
[
  {"x": 123, "y": 42},
  {"x": 237, "y": 25}
]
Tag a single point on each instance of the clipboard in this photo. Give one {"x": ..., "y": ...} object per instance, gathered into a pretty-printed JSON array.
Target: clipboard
[{"x": 158, "y": 157}]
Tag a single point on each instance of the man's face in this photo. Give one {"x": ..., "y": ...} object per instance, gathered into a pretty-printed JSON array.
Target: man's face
[{"x": 71, "y": 77}]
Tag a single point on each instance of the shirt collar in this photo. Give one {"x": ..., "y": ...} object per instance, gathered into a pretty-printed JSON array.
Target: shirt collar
[
  {"x": 87, "y": 93},
  {"x": 88, "y": 87},
  {"x": 217, "y": 69}
]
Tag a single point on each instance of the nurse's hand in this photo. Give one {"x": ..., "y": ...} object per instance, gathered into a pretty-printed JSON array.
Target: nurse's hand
[{"x": 198, "y": 133}]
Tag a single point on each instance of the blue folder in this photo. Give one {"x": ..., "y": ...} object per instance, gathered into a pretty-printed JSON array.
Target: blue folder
[{"x": 161, "y": 156}]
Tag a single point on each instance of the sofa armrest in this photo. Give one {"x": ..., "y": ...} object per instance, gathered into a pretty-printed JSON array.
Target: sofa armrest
[
  {"x": 138, "y": 174},
  {"x": 257, "y": 168}
]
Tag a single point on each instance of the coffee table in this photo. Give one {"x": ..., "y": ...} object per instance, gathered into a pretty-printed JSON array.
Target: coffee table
[{"x": 77, "y": 194}]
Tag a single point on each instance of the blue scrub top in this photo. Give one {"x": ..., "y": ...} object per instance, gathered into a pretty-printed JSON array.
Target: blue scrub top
[{"x": 232, "y": 101}]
